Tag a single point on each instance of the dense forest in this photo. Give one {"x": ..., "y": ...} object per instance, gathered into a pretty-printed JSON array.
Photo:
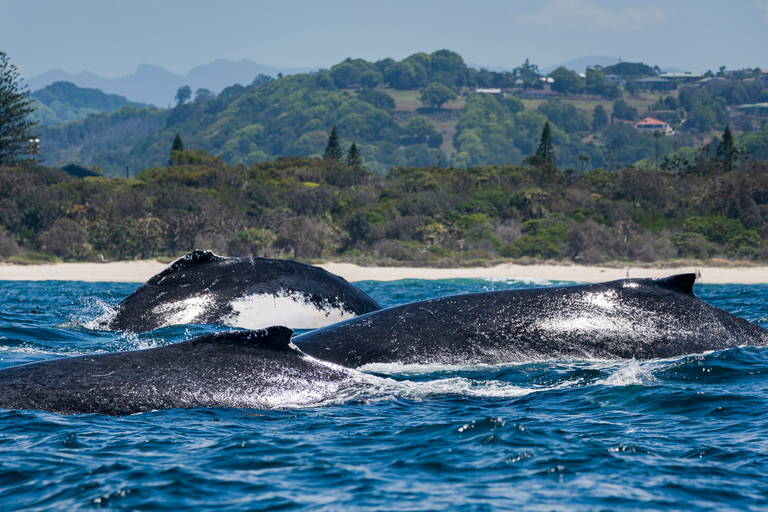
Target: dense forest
[
  {"x": 420, "y": 111},
  {"x": 309, "y": 208}
]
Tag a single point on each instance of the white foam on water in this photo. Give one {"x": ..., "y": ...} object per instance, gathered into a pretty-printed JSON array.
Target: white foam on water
[
  {"x": 101, "y": 322},
  {"x": 292, "y": 309},
  {"x": 416, "y": 369},
  {"x": 372, "y": 388},
  {"x": 538, "y": 281},
  {"x": 630, "y": 373}
]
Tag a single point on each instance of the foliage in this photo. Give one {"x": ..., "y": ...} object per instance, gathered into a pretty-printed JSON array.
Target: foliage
[
  {"x": 630, "y": 70},
  {"x": 566, "y": 81},
  {"x": 436, "y": 94},
  {"x": 622, "y": 110},
  {"x": 178, "y": 145},
  {"x": 62, "y": 102},
  {"x": 726, "y": 149},
  {"x": 546, "y": 149},
  {"x": 15, "y": 107},
  {"x": 311, "y": 208},
  {"x": 183, "y": 94},
  {"x": 333, "y": 147},
  {"x": 378, "y": 99},
  {"x": 353, "y": 158}
]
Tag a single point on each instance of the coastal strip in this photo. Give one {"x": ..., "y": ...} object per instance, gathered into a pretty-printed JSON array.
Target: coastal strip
[{"x": 141, "y": 270}]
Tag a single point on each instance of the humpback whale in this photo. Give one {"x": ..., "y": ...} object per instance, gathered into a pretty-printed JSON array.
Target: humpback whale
[
  {"x": 252, "y": 293},
  {"x": 628, "y": 318},
  {"x": 259, "y": 369}
]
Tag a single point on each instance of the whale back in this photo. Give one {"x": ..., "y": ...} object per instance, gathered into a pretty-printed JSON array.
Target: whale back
[
  {"x": 629, "y": 318},
  {"x": 245, "y": 369},
  {"x": 204, "y": 288}
]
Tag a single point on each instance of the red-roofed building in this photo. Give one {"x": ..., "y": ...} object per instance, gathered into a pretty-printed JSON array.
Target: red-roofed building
[{"x": 650, "y": 124}]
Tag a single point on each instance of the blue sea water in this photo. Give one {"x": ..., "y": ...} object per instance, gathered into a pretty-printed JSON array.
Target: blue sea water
[{"x": 689, "y": 433}]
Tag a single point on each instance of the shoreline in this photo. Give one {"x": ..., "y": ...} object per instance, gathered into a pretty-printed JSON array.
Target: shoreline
[{"x": 139, "y": 271}]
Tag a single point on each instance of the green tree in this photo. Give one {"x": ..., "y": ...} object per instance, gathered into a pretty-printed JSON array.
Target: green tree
[
  {"x": 565, "y": 80},
  {"x": 436, "y": 95},
  {"x": 353, "y": 157},
  {"x": 261, "y": 80},
  {"x": 203, "y": 94},
  {"x": 419, "y": 128},
  {"x": 183, "y": 95},
  {"x": 595, "y": 81},
  {"x": 546, "y": 149},
  {"x": 726, "y": 150},
  {"x": 622, "y": 110},
  {"x": 333, "y": 148},
  {"x": 178, "y": 145},
  {"x": 600, "y": 118},
  {"x": 15, "y": 108}
]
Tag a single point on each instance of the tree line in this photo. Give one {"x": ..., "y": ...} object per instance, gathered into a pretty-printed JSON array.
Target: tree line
[{"x": 311, "y": 208}]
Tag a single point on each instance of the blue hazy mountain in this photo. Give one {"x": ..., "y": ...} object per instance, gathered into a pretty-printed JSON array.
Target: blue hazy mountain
[{"x": 157, "y": 86}]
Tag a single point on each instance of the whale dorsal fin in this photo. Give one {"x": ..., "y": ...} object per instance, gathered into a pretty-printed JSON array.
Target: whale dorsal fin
[
  {"x": 196, "y": 257},
  {"x": 680, "y": 282},
  {"x": 276, "y": 338}
]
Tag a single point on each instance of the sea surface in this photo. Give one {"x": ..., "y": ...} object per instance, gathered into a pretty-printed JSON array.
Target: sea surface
[{"x": 689, "y": 433}]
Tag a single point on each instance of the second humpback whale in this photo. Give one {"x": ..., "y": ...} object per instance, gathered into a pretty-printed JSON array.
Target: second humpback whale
[
  {"x": 629, "y": 318},
  {"x": 252, "y": 293},
  {"x": 244, "y": 369}
]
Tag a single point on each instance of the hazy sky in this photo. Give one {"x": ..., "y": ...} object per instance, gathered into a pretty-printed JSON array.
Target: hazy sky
[{"x": 111, "y": 38}]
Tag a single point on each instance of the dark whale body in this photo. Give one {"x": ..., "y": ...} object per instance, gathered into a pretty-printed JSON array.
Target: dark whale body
[
  {"x": 244, "y": 369},
  {"x": 629, "y": 318},
  {"x": 252, "y": 293}
]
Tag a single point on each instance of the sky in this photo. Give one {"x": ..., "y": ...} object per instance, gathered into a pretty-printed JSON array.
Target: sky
[{"x": 111, "y": 38}]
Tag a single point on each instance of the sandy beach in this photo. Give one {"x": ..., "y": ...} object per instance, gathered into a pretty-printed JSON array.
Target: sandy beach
[{"x": 140, "y": 271}]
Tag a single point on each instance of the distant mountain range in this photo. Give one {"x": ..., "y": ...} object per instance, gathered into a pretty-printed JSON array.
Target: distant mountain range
[{"x": 156, "y": 86}]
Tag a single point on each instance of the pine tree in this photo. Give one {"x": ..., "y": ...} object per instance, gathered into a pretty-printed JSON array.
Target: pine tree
[
  {"x": 333, "y": 149},
  {"x": 726, "y": 149},
  {"x": 546, "y": 150},
  {"x": 178, "y": 145},
  {"x": 15, "y": 108},
  {"x": 353, "y": 158}
]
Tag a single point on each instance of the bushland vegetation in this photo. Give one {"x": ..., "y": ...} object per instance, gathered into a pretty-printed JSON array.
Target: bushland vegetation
[{"x": 309, "y": 208}]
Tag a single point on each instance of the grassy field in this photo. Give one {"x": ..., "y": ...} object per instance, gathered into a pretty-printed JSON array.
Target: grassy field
[
  {"x": 408, "y": 101},
  {"x": 641, "y": 102}
]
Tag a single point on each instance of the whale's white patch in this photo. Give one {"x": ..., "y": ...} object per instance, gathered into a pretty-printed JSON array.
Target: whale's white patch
[
  {"x": 183, "y": 311},
  {"x": 292, "y": 309}
]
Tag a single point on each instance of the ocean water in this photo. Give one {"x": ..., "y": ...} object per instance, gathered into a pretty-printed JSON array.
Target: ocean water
[{"x": 689, "y": 433}]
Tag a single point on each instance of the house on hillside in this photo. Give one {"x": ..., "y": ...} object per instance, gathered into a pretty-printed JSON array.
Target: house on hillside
[
  {"x": 488, "y": 91},
  {"x": 755, "y": 109},
  {"x": 614, "y": 80},
  {"x": 654, "y": 83},
  {"x": 764, "y": 77},
  {"x": 539, "y": 94},
  {"x": 685, "y": 77},
  {"x": 650, "y": 124},
  {"x": 737, "y": 74},
  {"x": 81, "y": 172}
]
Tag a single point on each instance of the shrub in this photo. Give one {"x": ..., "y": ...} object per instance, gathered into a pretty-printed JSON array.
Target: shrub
[{"x": 66, "y": 239}]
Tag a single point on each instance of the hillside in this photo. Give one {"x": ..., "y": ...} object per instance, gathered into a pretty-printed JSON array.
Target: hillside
[
  {"x": 157, "y": 86},
  {"x": 377, "y": 106},
  {"x": 62, "y": 102}
]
